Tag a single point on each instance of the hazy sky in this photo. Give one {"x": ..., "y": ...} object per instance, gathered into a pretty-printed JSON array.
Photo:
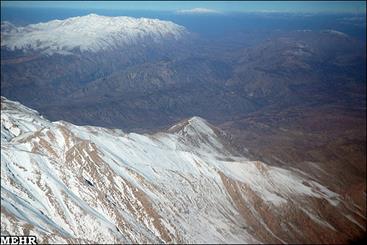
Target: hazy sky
[{"x": 220, "y": 6}]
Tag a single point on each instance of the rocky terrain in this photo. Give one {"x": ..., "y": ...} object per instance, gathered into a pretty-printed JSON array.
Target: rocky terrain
[{"x": 67, "y": 183}]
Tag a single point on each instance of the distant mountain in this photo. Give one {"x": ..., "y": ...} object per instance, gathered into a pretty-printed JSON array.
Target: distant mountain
[
  {"x": 66, "y": 183},
  {"x": 150, "y": 85},
  {"x": 91, "y": 33},
  {"x": 301, "y": 60}
]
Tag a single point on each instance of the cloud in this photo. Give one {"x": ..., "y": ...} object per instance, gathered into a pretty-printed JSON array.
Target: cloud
[{"x": 198, "y": 11}]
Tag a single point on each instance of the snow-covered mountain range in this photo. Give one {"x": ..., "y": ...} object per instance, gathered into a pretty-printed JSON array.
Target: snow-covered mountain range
[
  {"x": 68, "y": 183},
  {"x": 88, "y": 33}
]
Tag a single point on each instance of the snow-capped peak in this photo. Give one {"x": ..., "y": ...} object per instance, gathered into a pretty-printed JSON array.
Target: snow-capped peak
[
  {"x": 88, "y": 33},
  {"x": 17, "y": 119},
  {"x": 337, "y": 33},
  {"x": 195, "y": 123},
  {"x": 204, "y": 136}
]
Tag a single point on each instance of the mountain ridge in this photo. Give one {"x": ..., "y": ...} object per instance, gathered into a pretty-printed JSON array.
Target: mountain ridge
[{"x": 63, "y": 182}]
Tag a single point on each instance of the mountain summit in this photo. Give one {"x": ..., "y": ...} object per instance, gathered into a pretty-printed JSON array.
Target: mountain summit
[{"x": 88, "y": 33}]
